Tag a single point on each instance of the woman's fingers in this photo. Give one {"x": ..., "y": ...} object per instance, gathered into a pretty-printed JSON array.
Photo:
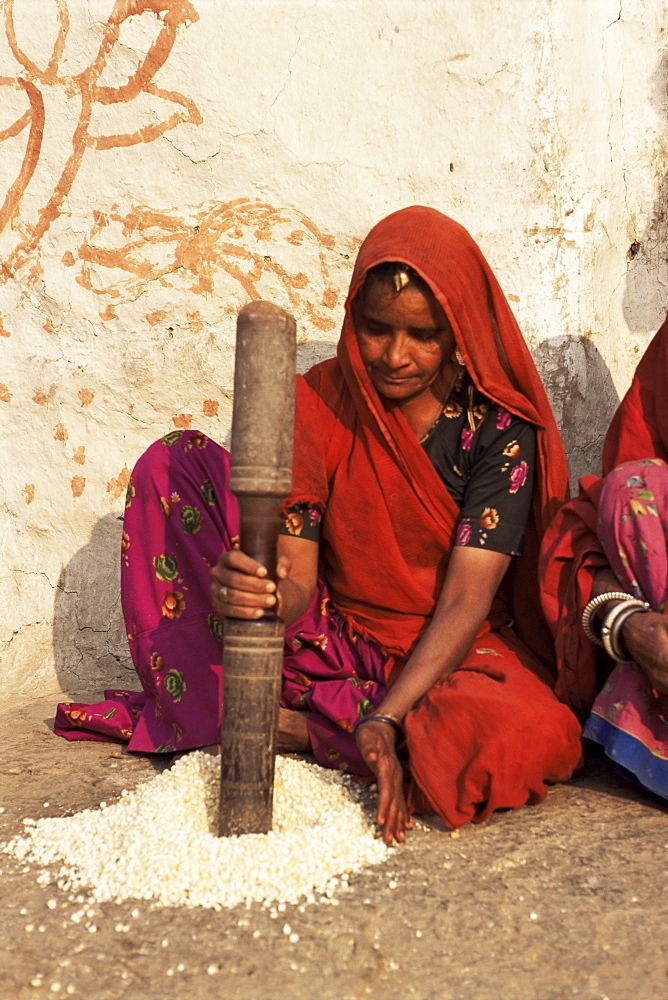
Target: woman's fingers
[
  {"x": 240, "y": 588},
  {"x": 391, "y": 813},
  {"x": 646, "y": 636},
  {"x": 237, "y": 561},
  {"x": 376, "y": 743}
]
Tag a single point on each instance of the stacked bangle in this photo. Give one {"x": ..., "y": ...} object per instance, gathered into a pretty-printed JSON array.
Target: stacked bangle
[
  {"x": 596, "y": 602},
  {"x": 390, "y": 720},
  {"x": 611, "y": 628}
]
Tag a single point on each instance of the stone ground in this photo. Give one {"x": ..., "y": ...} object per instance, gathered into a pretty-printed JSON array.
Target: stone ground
[{"x": 567, "y": 899}]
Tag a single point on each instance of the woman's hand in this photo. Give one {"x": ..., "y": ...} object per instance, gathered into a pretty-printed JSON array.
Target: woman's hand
[
  {"x": 376, "y": 741},
  {"x": 645, "y": 635},
  {"x": 240, "y": 588}
]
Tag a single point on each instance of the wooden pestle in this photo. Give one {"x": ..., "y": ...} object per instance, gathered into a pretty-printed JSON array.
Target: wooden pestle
[{"x": 261, "y": 460}]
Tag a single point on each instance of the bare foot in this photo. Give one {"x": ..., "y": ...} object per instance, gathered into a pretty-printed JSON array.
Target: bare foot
[{"x": 292, "y": 731}]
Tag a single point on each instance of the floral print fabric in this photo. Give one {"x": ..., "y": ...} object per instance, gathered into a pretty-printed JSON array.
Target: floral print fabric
[
  {"x": 485, "y": 457},
  {"x": 179, "y": 517},
  {"x": 629, "y": 719}
]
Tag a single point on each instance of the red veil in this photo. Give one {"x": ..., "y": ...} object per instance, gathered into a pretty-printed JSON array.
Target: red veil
[
  {"x": 390, "y": 522},
  {"x": 571, "y": 551}
]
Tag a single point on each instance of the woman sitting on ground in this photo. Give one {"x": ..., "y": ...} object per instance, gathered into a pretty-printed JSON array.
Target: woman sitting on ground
[
  {"x": 426, "y": 459},
  {"x": 605, "y": 584}
]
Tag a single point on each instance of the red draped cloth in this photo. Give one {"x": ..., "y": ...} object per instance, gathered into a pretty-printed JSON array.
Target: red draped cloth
[
  {"x": 571, "y": 549},
  {"x": 491, "y": 734}
]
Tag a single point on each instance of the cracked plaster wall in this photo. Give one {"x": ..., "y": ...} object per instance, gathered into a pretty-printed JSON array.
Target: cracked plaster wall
[{"x": 161, "y": 161}]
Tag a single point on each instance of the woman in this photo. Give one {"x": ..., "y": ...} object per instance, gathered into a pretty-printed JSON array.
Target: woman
[
  {"x": 612, "y": 540},
  {"x": 424, "y": 453}
]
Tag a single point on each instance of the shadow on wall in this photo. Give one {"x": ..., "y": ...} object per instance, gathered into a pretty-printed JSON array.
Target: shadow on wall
[
  {"x": 89, "y": 642},
  {"x": 645, "y": 301},
  {"x": 583, "y": 397}
]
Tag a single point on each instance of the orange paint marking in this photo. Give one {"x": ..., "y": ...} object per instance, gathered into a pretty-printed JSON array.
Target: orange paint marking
[
  {"x": 3, "y": 331},
  {"x": 60, "y": 433},
  {"x": 155, "y": 317},
  {"x": 330, "y": 297},
  {"x": 29, "y": 492},
  {"x": 210, "y": 407},
  {"x": 324, "y": 323},
  {"x": 48, "y": 325},
  {"x": 84, "y": 88},
  {"x": 86, "y": 396},
  {"x": 108, "y": 313},
  {"x": 195, "y": 323},
  {"x": 78, "y": 485},
  {"x": 40, "y": 397},
  {"x": 208, "y": 239},
  {"x": 79, "y": 455},
  {"x": 118, "y": 486},
  {"x": 68, "y": 259},
  {"x": 183, "y": 421},
  {"x": 5, "y": 394}
]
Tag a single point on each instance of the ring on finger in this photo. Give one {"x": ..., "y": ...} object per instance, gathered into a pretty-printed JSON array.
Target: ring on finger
[{"x": 222, "y": 593}]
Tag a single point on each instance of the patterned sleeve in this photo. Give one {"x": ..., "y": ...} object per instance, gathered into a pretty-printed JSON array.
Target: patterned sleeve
[
  {"x": 302, "y": 520},
  {"x": 497, "y": 497}
]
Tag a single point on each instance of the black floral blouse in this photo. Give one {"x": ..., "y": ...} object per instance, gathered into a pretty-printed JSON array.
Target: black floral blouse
[{"x": 485, "y": 457}]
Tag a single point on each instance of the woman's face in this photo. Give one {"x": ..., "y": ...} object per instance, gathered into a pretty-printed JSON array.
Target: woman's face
[{"x": 405, "y": 340}]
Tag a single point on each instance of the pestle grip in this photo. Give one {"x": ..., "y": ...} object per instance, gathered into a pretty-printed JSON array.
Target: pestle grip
[{"x": 261, "y": 475}]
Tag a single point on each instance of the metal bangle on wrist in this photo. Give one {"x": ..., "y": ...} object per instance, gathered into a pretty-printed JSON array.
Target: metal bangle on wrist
[
  {"x": 611, "y": 627},
  {"x": 390, "y": 720}
]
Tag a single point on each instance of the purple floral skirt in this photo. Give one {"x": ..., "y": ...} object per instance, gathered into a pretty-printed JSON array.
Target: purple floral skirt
[
  {"x": 629, "y": 718},
  {"x": 180, "y": 516}
]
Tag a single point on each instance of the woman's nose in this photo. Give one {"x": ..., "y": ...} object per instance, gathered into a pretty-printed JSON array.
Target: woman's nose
[{"x": 397, "y": 350}]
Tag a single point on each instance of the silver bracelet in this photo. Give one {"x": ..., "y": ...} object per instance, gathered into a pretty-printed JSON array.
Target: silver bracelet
[
  {"x": 612, "y": 626},
  {"x": 596, "y": 602}
]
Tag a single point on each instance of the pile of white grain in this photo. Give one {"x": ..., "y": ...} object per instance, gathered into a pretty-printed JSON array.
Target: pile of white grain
[{"x": 158, "y": 842}]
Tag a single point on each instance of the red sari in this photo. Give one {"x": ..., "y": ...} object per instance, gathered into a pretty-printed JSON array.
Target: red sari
[
  {"x": 572, "y": 551},
  {"x": 491, "y": 734}
]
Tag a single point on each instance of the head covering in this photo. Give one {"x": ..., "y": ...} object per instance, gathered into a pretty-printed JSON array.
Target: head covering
[
  {"x": 390, "y": 522},
  {"x": 639, "y": 428}
]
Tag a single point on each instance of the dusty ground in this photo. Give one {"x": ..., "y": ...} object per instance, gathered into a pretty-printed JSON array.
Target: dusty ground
[{"x": 568, "y": 899}]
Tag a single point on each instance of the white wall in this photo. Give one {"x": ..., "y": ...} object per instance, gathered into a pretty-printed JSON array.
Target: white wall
[{"x": 218, "y": 151}]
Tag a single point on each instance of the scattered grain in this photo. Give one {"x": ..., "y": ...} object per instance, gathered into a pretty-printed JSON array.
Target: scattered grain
[{"x": 158, "y": 842}]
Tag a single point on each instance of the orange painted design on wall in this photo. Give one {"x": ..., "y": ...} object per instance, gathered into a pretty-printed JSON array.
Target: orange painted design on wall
[
  {"x": 3, "y": 331},
  {"x": 5, "y": 394},
  {"x": 86, "y": 396},
  {"x": 118, "y": 486},
  {"x": 183, "y": 421},
  {"x": 60, "y": 433},
  {"x": 196, "y": 246},
  {"x": 29, "y": 492},
  {"x": 210, "y": 407},
  {"x": 195, "y": 322},
  {"x": 155, "y": 317},
  {"x": 78, "y": 485},
  {"x": 330, "y": 297},
  {"x": 86, "y": 93},
  {"x": 109, "y": 313},
  {"x": 79, "y": 455},
  {"x": 40, "y": 397}
]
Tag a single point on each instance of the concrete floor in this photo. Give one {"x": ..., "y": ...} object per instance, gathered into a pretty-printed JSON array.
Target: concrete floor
[{"x": 567, "y": 899}]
